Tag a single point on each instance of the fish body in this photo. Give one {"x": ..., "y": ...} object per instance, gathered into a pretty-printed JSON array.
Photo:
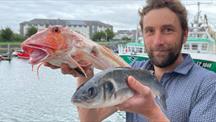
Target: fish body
[
  {"x": 58, "y": 44},
  {"x": 109, "y": 88}
]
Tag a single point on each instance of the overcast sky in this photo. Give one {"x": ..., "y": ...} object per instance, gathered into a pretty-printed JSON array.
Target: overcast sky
[{"x": 122, "y": 14}]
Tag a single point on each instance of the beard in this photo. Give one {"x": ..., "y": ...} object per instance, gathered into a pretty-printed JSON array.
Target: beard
[
  {"x": 163, "y": 60},
  {"x": 164, "y": 56}
]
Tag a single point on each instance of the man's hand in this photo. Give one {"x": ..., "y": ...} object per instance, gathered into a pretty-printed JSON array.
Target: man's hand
[
  {"x": 65, "y": 69},
  {"x": 142, "y": 102}
]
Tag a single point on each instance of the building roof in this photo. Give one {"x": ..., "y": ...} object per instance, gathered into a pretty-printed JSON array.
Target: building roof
[{"x": 64, "y": 22}]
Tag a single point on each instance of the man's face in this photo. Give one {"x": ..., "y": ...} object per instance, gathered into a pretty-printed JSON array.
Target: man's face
[{"x": 163, "y": 36}]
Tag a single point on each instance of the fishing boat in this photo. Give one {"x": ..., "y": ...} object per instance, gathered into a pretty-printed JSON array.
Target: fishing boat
[
  {"x": 21, "y": 54},
  {"x": 135, "y": 51},
  {"x": 200, "y": 45},
  {"x": 7, "y": 56}
]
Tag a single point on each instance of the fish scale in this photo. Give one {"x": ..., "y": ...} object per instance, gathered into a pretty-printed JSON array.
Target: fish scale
[{"x": 117, "y": 90}]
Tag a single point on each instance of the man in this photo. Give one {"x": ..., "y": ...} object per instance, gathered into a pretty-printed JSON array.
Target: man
[{"x": 191, "y": 89}]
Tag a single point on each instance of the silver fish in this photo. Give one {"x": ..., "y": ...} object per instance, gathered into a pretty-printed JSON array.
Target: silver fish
[{"x": 109, "y": 88}]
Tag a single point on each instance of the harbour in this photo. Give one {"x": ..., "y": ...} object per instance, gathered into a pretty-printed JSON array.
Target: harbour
[{"x": 25, "y": 97}]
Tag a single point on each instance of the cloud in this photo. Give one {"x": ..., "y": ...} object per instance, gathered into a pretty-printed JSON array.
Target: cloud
[{"x": 122, "y": 14}]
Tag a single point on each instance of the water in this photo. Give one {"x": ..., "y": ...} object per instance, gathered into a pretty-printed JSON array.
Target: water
[{"x": 24, "y": 97}]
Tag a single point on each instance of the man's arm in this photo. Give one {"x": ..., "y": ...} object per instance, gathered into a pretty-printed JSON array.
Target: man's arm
[{"x": 142, "y": 102}]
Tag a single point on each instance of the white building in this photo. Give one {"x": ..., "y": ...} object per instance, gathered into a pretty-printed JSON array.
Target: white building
[
  {"x": 85, "y": 27},
  {"x": 131, "y": 34}
]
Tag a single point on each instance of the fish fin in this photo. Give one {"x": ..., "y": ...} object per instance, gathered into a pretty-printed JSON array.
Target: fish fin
[
  {"x": 72, "y": 61},
  {"x": 32, "y": 67},
  {"x": 38, "y": 70},
  {"x": 162, "y": 101},
  {"x": 129, "y": 68},
  {"x": 107, "y": 49}
]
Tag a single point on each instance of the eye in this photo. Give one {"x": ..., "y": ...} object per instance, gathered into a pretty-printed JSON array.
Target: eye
[
  {"x": 91, "y": 92},
  {"x": 56, "y": 30},
  {"x": 168, "y": 30},
  {"x": 148, "y": 31},
  {"x": 109, "y": 86}
]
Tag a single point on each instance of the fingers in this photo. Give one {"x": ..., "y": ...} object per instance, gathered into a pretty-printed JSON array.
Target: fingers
[
  {"x": 124, "y": 106},
  {"x": 65, "y": 69},
  {"x": 138, "y": 86},
  {"x": 50, "y": 65}
]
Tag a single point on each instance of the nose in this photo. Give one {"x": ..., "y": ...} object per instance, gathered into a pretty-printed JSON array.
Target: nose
[{"x": 158, "y": 38}]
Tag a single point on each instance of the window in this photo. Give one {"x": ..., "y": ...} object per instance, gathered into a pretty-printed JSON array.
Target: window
[
  {"x": 140, "y": 50},
  {"x": 186, "y": 47},
  {"x": 204, "y": 46},
  {"x": 194, "y": 47}
]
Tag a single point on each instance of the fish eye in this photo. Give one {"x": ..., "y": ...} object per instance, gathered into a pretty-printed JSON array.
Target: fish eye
[
  {"x": 91, "y": 92},
  {"x": 109, "y": 86},
  {"x": 56, "y": 30}
]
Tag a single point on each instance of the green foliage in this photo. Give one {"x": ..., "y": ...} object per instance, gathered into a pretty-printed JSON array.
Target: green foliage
[
  {"x": 110, "y": 34},
  {"x": 31, "y": 30},
  {"x": 106, "y": 35},
  {"x": 6, "y": 34},
  {"x": 125, "y": 38},
  {"x": 18, "y": 37},
  {"x": 98, "y": 36}
]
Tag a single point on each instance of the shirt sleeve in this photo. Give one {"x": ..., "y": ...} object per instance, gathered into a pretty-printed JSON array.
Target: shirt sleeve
[{"x": 204, "y": 109}]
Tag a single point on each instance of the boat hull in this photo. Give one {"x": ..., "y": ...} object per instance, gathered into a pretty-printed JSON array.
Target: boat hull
[{"x": 210, "y": 65}]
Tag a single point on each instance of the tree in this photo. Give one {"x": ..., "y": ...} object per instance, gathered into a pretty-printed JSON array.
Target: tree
[
  {"x": 98, "y": 36},
  {"x": 125, "y": 38},
  {"x": 109, "y": 34},
  {"x": 18, "y": 37},
  {"x": 6, "y": 34},
  {"x": 31, "y": 30},
  {"x": 106, "y": 35}
]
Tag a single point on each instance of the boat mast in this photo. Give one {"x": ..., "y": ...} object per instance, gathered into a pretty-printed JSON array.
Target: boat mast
[{"x": 198, "y": 12}]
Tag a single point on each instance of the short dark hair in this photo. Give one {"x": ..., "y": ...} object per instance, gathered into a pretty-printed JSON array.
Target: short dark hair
[{"x": 174, "y": 5}]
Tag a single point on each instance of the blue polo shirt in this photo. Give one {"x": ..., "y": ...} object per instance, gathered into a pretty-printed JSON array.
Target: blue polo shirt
[{"x": 191, "y": 93}]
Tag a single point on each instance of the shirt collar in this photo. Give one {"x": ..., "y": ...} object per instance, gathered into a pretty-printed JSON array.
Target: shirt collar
[
  {"x": 182, "y": 68},
  {"x": 185, "y": 66}
]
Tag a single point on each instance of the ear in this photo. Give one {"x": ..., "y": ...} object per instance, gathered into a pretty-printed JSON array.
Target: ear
[{"x": 185, "y": 36}]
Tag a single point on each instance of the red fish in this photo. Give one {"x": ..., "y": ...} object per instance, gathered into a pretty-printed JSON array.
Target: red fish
[{"x": 58, "y": 44}]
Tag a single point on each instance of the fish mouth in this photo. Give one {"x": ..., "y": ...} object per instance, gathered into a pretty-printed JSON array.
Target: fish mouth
[
  {"x": 83, "y": 102},
  {"x": 76, "y": 100},
  {"x": 37, "y": 53}
]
